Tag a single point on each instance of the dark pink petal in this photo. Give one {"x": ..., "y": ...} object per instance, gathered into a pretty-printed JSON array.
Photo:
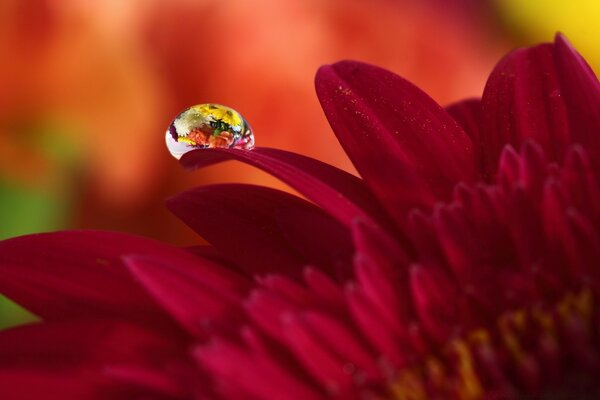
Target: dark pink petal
[
  {"x": 79, "y": 274},
  {"x": 324, "y": 287},
  {"x": 265, "y": 309},
  {"x": 344, "y": 340},
  {"x": 250, "y": 225},
  {"x": 318, "y": 359},
  {"x": 407, "y": 148},
  {"x": 319, "y": 238},
  {"x": 257, "y": 374},
  {"x": 64, "y": 360},
  {"x": 289, "y": 290},
  {"x": 339, "y": 193},
  {"x": 197, "y": 303},
  {"x": 437, "y": 300},
  {"x": 468, "y": 115},
  {"x": 546, "y": 93},
  {"x": 146, "y": 379},
  {"x": 581, "y": 93},
  {"x": 374, "y": 328},
  {"x": 522, "y": 99}
]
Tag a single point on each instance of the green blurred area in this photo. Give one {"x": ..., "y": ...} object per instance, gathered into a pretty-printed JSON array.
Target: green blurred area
[
  {"x": 23, "y": 211},
  {"x": 32, "y": 207}
]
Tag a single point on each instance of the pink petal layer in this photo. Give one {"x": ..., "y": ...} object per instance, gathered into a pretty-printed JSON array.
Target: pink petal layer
[
  {"x": 260, "y": 229},
  {"x": 341, "y": 194},
  {"x": 79, "y": 274},
  {"x": 406, "y": 147}
]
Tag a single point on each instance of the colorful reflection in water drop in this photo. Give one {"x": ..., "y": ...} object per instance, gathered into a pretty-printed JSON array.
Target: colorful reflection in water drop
[{"x": 208, "y": 126}]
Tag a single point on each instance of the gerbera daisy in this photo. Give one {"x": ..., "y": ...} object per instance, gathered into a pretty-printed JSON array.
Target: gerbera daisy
[{"x": 464, "y": 263}]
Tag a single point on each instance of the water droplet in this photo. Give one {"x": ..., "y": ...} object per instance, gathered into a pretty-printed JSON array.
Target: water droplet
[{"x": 208, "y": 126}]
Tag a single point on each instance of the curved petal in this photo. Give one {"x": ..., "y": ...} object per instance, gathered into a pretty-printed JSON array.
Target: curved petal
[
  {"x": 251, "y": 225},
  {"x": 79, "y": 274},
  {"x": 406, "y": 147},
  {"x": 339, "y": 193},
  {"x": 581, "y": 91},
  {"x": 522, "y": 99},
  {"x": 546, "y": 93}
]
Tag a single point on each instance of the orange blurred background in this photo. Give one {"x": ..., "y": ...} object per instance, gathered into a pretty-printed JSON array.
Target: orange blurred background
[{"x": 88, "y": 88}]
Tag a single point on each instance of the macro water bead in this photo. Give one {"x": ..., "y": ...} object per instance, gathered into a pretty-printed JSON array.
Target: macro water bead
[{"x": 208, "y": 126}]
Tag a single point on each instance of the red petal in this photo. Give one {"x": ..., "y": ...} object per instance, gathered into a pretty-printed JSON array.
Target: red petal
[
  {"x": 339, "y": 193},
  {"x": 315, "y": 355},
  {"x": 406, "y": 147},
  {"x": 436, "y": 299},
  {"x": 522, "y": 99},
  {"x": 581, "y": 93},
  {"x": 65, "y": 360},
  {"x": 260, "y": 375},
  {"x": 78, "y": 274},
  {"x": 468, "y": 115},
  {"x": 546, "y": 93},
  {"x": 244, "y": 222},
  {"x": 200, "y": 305}
]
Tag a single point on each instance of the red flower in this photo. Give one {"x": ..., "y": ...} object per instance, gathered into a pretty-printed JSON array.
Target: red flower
[{"x": 463, "y": 265}]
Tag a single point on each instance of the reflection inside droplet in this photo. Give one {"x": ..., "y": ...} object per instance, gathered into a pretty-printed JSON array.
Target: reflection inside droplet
[{"x": 208, "y": 126}]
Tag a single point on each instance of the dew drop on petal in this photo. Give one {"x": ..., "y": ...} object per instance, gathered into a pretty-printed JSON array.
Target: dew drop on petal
[{"x": 207, "y": 126}]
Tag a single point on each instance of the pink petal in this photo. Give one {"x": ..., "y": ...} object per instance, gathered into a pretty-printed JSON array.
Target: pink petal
[
  {"x": 250, "y": 224},
  {"x": 79, "y": 274},
  {"x": 197, "y": 303},
  {"x": 407, "y": 148},
  {"x": 339, "y": 193}
]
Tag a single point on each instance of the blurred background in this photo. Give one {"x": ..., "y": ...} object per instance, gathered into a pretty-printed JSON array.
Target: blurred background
[{"x": 87, "y": 89}]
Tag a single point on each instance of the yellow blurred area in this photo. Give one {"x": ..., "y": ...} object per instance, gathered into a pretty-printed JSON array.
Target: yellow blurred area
[{"x": 539, "y": 20}]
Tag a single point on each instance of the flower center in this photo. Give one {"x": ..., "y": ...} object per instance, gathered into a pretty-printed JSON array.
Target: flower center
[{"x": 534, "y": 352}]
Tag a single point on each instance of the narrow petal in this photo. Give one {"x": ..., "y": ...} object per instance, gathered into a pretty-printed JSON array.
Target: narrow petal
[
  {"x": 259, "y": 375},
  {"x": 339, "y": 193},
  {"x": 407, "y": 148},
  {"x": 79, "y": 274},
  {"x": 249, "y": 225},
  {"x": 436, "y": 301}
]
